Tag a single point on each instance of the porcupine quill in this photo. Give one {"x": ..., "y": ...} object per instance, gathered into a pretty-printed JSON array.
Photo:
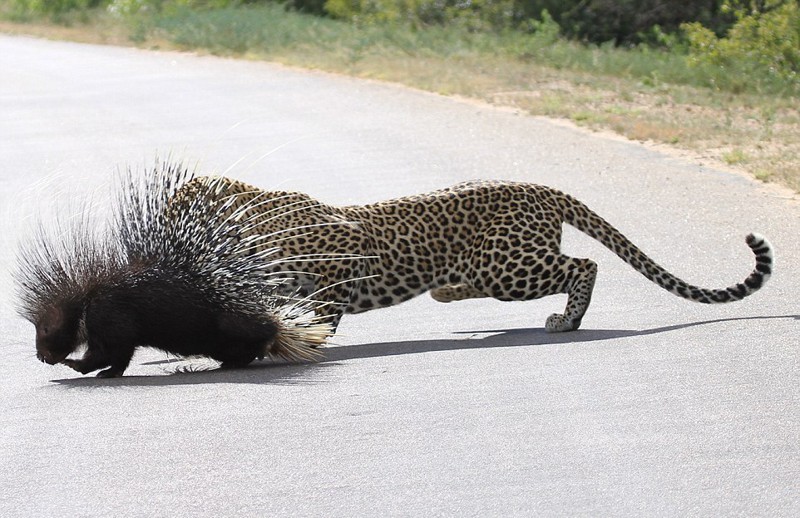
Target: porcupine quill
[{"x": 168, "y": 273}]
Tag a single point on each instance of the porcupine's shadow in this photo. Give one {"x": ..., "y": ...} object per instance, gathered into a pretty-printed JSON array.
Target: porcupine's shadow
[
  {"x": 268, "y": 372},
  {"x": 264, "y": 372}
]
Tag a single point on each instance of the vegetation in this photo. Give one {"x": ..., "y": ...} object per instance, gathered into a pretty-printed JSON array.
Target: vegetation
[
  {"x": 758, "y": 44},
  {"x": 719, "y": 78}
]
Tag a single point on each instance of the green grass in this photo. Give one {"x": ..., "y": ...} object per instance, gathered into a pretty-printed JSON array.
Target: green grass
[
  {"x": 735, "y": 156},
  {"x": 270, "y": 29}
]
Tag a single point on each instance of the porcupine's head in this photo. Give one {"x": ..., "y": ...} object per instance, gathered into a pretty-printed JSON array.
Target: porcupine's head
[{"x": 58, "y": 268}]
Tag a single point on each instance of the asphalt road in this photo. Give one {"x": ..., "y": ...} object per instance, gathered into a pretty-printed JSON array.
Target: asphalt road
[{"x": 657, "y": 406}]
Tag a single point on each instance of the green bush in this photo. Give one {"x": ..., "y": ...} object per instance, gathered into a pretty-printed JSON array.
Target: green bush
[
  {"x": 27, "y": 8},
  {"x": 129, "y": 7},
  {"x": 593, "y": 21},
  {"x": 631, "y": 21},
  {"x": 473, "y": 14},
  {"x": 760, "y": 44}
]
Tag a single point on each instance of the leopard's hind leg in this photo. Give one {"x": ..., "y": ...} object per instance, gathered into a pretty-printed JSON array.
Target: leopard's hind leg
[
  {"x": 537, "y": 273},
  {"x": 579, "y": 283},
  {"x": 453, "y": 292}
]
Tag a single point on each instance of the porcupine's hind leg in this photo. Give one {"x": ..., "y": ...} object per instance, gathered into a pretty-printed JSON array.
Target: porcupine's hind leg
[{"x": 241, "y": 340}]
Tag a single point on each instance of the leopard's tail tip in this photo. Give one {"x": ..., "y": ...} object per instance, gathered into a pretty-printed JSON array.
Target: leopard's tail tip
[{"x": 765, "y": 255}]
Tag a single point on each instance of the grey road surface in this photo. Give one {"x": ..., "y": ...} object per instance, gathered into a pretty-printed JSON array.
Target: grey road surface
[{"x": 656, "y": 407}]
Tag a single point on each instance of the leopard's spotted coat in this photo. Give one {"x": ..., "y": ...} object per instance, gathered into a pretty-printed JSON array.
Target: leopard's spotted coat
[{"x": 477, "y": 239}]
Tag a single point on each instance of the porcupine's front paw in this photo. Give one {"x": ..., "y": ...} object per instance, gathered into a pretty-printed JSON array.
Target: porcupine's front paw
[
  {"x": 85, "y": 366},
  {"x": 77, "y": 365}
]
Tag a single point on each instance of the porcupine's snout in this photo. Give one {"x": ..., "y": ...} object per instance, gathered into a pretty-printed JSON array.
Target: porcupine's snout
[
  {"x": 50, "y": 357},
  {"x": 50, "y": 351},
  {"x": 57, "y": 334}
]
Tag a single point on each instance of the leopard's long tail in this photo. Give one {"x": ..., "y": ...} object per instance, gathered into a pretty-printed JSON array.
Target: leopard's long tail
[{"x": 587, "y": 221}]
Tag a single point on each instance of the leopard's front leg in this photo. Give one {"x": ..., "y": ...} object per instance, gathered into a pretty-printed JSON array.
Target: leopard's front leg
[{"x": 332, "y": 302}]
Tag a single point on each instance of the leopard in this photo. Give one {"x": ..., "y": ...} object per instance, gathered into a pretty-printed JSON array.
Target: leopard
[{"x": 479, "y": 239}]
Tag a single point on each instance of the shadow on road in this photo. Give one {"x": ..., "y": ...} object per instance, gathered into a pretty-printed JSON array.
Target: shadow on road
[
  {"x": 268, "y": 372},
  {"x": 508, "y": 338}
]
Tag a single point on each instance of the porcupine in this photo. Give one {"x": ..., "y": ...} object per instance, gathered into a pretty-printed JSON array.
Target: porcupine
[{"x": 175, "y": 276}]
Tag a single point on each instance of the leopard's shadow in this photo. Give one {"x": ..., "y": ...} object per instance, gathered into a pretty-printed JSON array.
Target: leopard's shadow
[
  {"x": 508, "y": 338},
  {"x": 268, "y": 372}
]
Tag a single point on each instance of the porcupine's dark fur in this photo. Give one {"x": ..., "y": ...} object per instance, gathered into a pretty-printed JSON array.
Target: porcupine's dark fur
[{"x": 170, "y": 275}]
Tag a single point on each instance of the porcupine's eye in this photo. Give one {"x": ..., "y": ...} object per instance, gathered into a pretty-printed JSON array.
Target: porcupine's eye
[{"x": 42, "y": 328}]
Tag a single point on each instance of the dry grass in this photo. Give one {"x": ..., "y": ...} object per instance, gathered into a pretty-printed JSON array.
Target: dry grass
[{"x": 762, "y": 140}]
